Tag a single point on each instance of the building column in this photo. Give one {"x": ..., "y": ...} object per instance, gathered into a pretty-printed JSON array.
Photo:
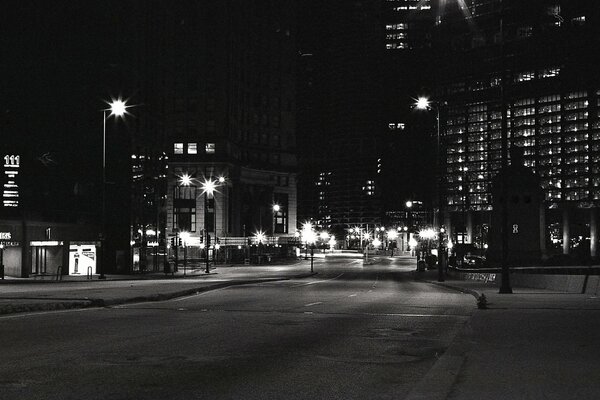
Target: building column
[
  {"x": 566, "y": 232},
  {"x": 543, "y": 251},
  {"x": 593, "y": 232},
  {"x": 469, "y": 227}
]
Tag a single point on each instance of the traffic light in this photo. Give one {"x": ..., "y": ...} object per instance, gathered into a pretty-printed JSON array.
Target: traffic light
[
  {"x": 172, "y": 242},
  {"x": 208, "y": 240},
  {"x": 179, "y": 242},
  {"x": 201, "y": 238}
]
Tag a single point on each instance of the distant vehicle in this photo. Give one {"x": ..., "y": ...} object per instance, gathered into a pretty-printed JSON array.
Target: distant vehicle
[
  {"x": 467, "y": 255},
  {"x": 471, "y": 261}
]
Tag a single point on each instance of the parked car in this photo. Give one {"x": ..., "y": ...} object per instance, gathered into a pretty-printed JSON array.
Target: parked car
[{"x": 473, "y": 261}]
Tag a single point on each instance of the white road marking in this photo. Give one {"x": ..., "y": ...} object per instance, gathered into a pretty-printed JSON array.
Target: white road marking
[
  {"x": 313, "y": 304},
  {"x": 353, "y": 295},
  {"x": 315, "y": 282},
  {"x": 38, "y": 313}
]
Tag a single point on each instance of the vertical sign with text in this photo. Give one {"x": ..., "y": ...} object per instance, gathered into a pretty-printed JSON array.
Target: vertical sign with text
[{"x": 10, "y": 175}]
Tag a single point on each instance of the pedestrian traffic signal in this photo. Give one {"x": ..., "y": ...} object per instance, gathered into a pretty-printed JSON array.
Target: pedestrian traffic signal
[
  {"x": 179, "y": 242},
  {"x": 172, "y": 242},
  {"x": 208, "y": 239}
]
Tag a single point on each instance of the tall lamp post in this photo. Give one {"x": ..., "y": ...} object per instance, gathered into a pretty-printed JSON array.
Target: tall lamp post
[
  {"x": 208, "y": 188},
  {"x": 423, "y": 103},
  {"x": 118, "y": 108},
  {"x": 276, "y": 209}
]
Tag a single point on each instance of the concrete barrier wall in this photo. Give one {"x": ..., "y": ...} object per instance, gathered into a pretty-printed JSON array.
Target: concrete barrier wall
[{"x": 560, "y": 283}]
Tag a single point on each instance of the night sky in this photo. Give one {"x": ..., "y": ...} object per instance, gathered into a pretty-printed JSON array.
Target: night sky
[{"x": 59, "y": 64}]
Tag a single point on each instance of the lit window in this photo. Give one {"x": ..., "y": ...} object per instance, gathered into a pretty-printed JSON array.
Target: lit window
[
  {"x": 578, "y": 20},
  {"x": 192, "y": 148},
  {"x": 525, "y": 76},
  {"x": 210, "y": 148},
  {"x": 549, "y": 72},
  {"x": 178, "y": 148}
]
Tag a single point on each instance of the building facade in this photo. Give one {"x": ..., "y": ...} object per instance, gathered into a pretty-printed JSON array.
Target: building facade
[
  {"x": 515, "y": 73},
  {"x": 230, "y": 120}
]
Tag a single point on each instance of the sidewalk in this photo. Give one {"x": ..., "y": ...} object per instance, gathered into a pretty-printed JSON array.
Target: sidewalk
[
  {"x": 29, "y": 295},
  {"x": 531, "y": 344},
  {"x": 521, "y": 298}
]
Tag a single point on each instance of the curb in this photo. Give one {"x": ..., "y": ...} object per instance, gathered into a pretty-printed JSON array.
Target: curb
[
  {"x": 439, "y": 381},
  {"x": 64, "y": 305},
  {"x": 480, "y": 298},
  {"x": 472, "y": 292}
]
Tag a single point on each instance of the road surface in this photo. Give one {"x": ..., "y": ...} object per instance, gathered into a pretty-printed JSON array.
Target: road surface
[{"x": 352, "y": 331}]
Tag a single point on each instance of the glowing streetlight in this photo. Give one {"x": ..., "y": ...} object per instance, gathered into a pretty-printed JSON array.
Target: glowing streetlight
[
  {"x": 259, "y": 237},
  {"x": 392, "y": 234},
  {"x": 185, "y": 180},
  {"x": 118, "y": 108},
  {"x": 409, "y": 204},
  {"x": 208, "y": 186},
  {"x": 276, "y": 209},
  {"x": 423, "y": 103}
]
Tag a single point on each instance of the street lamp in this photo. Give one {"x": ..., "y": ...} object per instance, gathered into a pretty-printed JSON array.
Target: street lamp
[
  {"x": 276, "y": 209},
  {"x": 423, "y": 103},
  {"x": 185, "y": 237},
  {"x": 209, "y": 187},
  {"x": 118, "y": 108}
]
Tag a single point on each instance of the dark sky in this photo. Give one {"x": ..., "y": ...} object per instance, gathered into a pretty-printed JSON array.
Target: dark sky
[{"x": 56, "y": 64}]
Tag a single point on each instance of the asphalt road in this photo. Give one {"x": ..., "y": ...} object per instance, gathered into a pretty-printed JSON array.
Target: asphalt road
[{"x": 350, "y": 332}]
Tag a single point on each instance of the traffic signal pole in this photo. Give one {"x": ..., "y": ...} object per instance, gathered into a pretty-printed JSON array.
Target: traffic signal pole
[{"x": 207, "y": 249}]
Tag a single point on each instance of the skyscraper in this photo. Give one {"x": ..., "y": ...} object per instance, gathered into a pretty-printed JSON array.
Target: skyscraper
[
  {"x": 526, "y": 65},
  {"x": 229, "y": 113}
]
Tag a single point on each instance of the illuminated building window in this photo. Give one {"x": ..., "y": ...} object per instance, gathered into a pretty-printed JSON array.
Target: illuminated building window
[
  {"x": 576, "y": 105},
  {"x": 178, "y": 148},
  {"x": 525, "y": 76},
  {"x": 393, "y": 27},
  {"x": 210, "y": 148},
  {"x": 576, "y": 95},
  {"x": 392, "y": 46},
  {"x": 192, "y": 148},
  {"x": 578, "y": 20},
  {"x": 396, "y": 125},
  {"x": 549, "y": 72}
]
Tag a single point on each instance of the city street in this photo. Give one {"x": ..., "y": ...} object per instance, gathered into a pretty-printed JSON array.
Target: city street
[{"x": 352, "y": 331}]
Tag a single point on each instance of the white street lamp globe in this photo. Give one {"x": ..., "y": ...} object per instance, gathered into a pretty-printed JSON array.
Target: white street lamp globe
[
  {"x": 118, "y": 107},
  {"x": 185, "y": 180},
  {"x": 422, "y": 103},
  {"x": 208, "y": 186}
]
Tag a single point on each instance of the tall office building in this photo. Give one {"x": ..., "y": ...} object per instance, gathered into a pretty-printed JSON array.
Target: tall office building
[
  {"x": 363, "y": 62},
  {"x": 527, "y": 65},
  {"x": 230, "y": 113}
]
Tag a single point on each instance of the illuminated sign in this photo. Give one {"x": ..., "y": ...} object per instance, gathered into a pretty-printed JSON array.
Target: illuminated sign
[
  {"x": 10, "y": 192},
  {"x": 5, "y": 236}
]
